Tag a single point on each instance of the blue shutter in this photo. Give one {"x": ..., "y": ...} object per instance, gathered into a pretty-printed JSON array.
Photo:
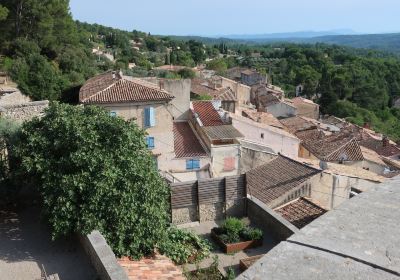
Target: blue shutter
[
  {"x": 152, "y": 117},
  {"x": 146, "y": 117},
  {"x": 196, "y": 164},
  {"x": 189, "y": 164},
  {"x": 150, "y": 142}
]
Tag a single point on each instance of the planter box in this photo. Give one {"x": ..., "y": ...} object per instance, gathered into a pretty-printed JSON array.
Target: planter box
[
  {"x": 235, "y": 247},
  {"x": 246, "y": 263}
]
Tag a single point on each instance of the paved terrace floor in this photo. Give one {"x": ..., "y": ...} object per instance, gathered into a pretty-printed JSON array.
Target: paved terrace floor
[
  {"x": 227, "y": 260},
  {"x": 25, "y": 245}
]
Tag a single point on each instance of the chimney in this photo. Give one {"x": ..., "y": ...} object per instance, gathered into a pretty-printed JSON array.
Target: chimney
[
  {"x": 385, "y": 141},
  {"x": 161, "y": 84},
  {"x": 114, "y": 74}
]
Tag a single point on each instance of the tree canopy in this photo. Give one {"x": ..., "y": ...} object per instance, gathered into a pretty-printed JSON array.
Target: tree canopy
[{"x": 94, "y": 172}]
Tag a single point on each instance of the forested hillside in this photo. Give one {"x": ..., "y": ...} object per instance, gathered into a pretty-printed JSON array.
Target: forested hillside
[{"x": 49, "y": 55}]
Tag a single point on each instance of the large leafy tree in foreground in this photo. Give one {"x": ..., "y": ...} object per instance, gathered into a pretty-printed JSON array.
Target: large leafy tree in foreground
[{"x": 94, "y": 172}]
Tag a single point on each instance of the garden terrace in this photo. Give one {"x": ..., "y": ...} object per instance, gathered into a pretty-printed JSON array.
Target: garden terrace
[{"x": 229, "y": 260}]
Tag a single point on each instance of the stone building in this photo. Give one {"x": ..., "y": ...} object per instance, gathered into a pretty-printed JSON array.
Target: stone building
[
  {"x": 252, "y": 77},
  {"x": 136, "y": 100},
  {"x": 305, "y": 107},
  {"x": 218, "y": 135}
]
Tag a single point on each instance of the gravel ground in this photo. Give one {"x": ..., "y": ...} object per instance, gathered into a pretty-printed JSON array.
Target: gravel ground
[{"x": 26, "y": 247}]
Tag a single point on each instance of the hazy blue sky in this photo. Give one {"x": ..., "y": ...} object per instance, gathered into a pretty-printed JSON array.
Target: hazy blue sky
[{"x": 215, "y": 17}]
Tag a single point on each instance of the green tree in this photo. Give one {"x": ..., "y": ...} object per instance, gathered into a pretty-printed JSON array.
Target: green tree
[
  {"x": 3, "y": 13},
  {"x": 219, "y": 65},
  {"x": 95, "y": 172},
  {"x": 37, "y": 78}
]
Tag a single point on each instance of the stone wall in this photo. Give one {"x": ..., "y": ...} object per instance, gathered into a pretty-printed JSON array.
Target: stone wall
[
  {"x": 185, "y": 215},
  {"x": 25, "y": 111},
  {"x": 268, "y": 219},
  {"x": 102, "y": 257}
]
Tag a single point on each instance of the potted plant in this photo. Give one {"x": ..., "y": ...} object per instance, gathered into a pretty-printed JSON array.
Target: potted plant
[{"x": 234, "y": 236}]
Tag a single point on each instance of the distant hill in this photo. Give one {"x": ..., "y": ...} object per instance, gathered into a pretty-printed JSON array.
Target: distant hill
[
  {"x": 300, "y": 34},
  {"x": 384, "y": 42}
]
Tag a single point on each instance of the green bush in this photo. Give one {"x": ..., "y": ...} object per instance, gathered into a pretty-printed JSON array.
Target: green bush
[
  {"x": 180, "y": 246},
  {"x": 234, "y": 230},
  {"x": 250, "y": 233},
  {"x": 233, "y": 226}
]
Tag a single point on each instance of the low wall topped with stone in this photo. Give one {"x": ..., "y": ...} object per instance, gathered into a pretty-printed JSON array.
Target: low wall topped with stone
[{"x": 102, "y": 257}]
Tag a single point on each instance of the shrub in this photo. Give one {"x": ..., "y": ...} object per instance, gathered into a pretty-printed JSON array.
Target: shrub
[
  {"x": 250, "y": 233},
  {"x": 180, "y": 246},
  {"x": 234, "y": 230},
  {"x": 233, "y": 226}
]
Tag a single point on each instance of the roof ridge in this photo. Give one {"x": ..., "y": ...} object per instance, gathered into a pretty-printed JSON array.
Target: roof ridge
[
  {"x": 299, "y": 162},
  {"x": 101, "y": 91},
  {"x": 352, "y": 139}
]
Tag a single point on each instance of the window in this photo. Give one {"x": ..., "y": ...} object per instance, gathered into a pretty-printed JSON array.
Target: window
[
  {"x": 113, "y": 114},
  {"x": 262, "y": 135},
  {"x": 149, "y": 117},
  {"x": 192, "y": 164},
  {"x": 150, "y": 142}
]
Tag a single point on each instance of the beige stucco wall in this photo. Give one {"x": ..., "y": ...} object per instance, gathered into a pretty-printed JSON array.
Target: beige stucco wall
[
  {"x": 307, "y": 110},
  {"x": 162, "y": 131},
  {"x": 180, "y": 89},
  {"x": 218, "y": 154},
  {"x": 253, "y": 158},
  {"x": 278, "y": 140},
  {"x": 242, "y": 92},
  {"x": 331, "y": 190},
  {"x": 281, "y": 109}
]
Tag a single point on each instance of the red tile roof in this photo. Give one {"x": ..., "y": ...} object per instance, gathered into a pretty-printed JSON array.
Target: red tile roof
[
  {"x": 207, "y": 113},
  {"x": 272, "y": 180},
  {"x": 207, "y": 87},
  {"x": 384, "y": 149},
  {"x": 112, "y": 88},
  {"x": 262, "y": 117},
  {"x": 334, "y": 148},
  {"x": 156, "y": 268},
  {"x": 300, "y": 212},
  {"x": 296, "y": 124},
  {"x": 186, "y": 143}
]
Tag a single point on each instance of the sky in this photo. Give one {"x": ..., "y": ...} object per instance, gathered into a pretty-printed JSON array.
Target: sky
[{"x": 226, "y": 17}]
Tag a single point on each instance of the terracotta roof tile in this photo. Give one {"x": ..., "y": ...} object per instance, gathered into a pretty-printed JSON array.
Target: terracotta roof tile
[
  {"x": 377, "y": 145},
  {"x": 334, "y": 148},
  {"x": 205, "y": 87},
  {"x": 296, "y": 124},
  {"x": 155, "y": 268},
  {"x": 300, "y": 212},
  {"x": 262, "y": 117},
  {"x": 272, "y": 180},
  {"x": 207, "y": 113},
  {"x": 112, "y": 88},
  {"x": 186, "y": 143}
]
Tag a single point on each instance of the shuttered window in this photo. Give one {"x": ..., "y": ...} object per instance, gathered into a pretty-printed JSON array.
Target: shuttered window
[
  {"x": 192, "y": 164},
  {"x": 149, "y": 117},
  {"x": 150, "y": 142}
]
